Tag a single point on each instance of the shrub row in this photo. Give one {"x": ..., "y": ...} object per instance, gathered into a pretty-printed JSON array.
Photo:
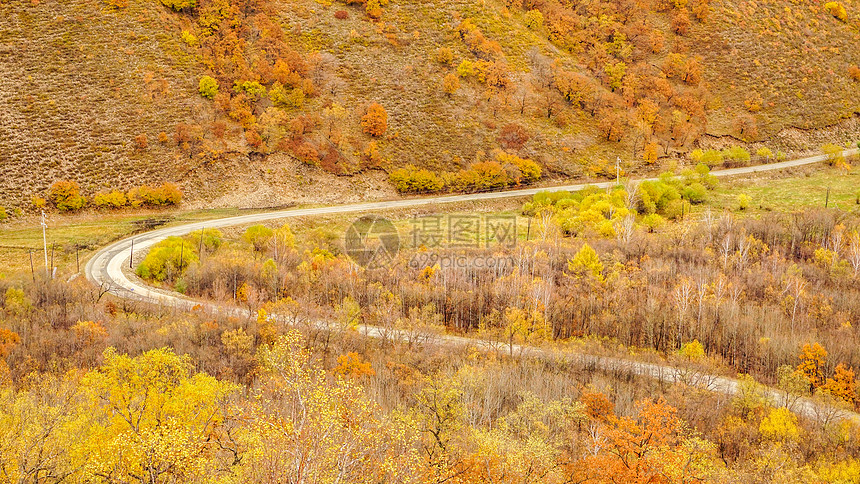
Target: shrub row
[
  {"x": 504, "y": 170},
  {"x": 600, "y": 212},
  {"x": 733, "y": 156},
  {"x": 65, "y": 196}
]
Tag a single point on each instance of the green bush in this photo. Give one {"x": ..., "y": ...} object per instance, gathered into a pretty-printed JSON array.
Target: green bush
[
  {"x": 711, "y": 158},
  {"x": 208, "y": 87},
  {"x": 737, "y": 155},
  {"x": 167, "y": 259},
  {"x": 179, "y": 5},
  {"x": 253, "y": 89},
  {"x": 676, "y": 209},
  {"x": 258, "y": 236},
  {"x": 695, "y": 193},
  {"x": 3, "y": 214},
  {"x": 652, "y": 221},
  {"x": 114, "y": 199},
  {"x": 288, "y": 98},
  {"x": 660, "y": 193},
  {"x": 414, "y": 180},
  {"x": 744, "y": 201},
  {"x": 66, "y": 196},
  {"x": 645, "y": 205},
  {"x": 212, "y": 238},
  {"x": 161, "y": 196},
  {"x": 466, "y": 69}
]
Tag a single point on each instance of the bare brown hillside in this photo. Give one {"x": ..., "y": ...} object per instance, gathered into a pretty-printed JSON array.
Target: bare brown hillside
[{"x": 107, "y": 92}]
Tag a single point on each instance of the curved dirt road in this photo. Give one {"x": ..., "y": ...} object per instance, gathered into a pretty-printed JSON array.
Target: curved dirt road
[{"x": 106, "y": 268}]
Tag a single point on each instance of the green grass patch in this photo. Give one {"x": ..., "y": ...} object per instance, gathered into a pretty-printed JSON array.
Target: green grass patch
[{"x": 781, "y": 192}]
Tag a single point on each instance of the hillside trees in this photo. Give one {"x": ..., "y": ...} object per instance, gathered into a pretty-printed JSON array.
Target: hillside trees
[
  {"x": 66, "y": 196},
  {"x": 179, "y": 5},
  {"x": 208, "y": 87},
  {"x": 375, "y": 121}
]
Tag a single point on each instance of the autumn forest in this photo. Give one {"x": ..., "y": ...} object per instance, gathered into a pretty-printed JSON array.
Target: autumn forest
[{"x": 450, "y": 242}]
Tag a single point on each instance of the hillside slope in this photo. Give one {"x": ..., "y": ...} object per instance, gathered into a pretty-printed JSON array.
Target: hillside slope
[{"x": 106, "y": 92}]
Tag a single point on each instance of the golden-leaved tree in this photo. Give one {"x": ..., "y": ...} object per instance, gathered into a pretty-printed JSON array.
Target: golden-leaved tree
[
  {"x": 303, "y": 425},
  {"x": 154, "y": 420},
  {"x": 654, "y": 446}
]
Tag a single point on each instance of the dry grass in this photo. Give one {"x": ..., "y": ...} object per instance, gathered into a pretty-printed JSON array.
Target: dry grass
[
  {"x": 795, "y": 56},
  {"x": 79, "y": 82}
]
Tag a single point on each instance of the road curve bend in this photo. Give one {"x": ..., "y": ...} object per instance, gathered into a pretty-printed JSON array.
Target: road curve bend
[{"x": 106, "y": 268}]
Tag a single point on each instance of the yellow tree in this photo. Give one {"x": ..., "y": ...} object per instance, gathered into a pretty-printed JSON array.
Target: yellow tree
[
  {"x": 306, "y": 426},
  {"x": 40, "y": 429},
  {"x": 526, "y": 445},
  {"x": 450, "y": 83},
  {"x": 375, "y": 122},
  {"x": 780, "y": 425},
  {"x": 155, "y": 420},
  {"x": 520, "y": 327},
  {"x": 812, "y": 359},
  {"x": 586, "y": 262}
]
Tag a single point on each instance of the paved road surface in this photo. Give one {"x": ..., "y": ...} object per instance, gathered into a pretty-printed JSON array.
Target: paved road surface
[{"x": 107, "y": 267}]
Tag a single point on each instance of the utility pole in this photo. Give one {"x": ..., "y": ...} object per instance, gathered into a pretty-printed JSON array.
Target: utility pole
[
  {"x": 45, "y": 243},
  {"x": 827, "y": 199},
  {"x": 131, "y": 255},
  {"x": 618, "y": 170},
  {"x": 32, "y": 269}
]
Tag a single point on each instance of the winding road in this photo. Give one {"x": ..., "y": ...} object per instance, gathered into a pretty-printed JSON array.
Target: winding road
[{"x": 107, "y": 269}]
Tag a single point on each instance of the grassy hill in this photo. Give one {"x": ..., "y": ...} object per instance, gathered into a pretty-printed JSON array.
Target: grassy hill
[{"x": 107, "y": 92}]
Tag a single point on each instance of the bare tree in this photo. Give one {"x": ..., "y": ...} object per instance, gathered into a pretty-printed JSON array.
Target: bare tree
[
  {"x": 854, "y": 254},
  {"x": 794, "y": 287},
  {"x": 708, "y": 224},
  {"x": 522, "y": 96},
  {"x": 682, "y": 297},
  {"x": 625, "y": 228},
  {"x": 631, "y": 188},
  {"x": 541, "y": 68},
  {"x": 726, "y": 249},
  {"x": 744, "y": 244}
]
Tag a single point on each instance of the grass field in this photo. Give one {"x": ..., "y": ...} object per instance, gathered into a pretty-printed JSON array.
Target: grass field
[
  {"x": 88, "y": 232},
  {"x": 83, "y": 233},
  {"x": 787, "y": 191}
]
